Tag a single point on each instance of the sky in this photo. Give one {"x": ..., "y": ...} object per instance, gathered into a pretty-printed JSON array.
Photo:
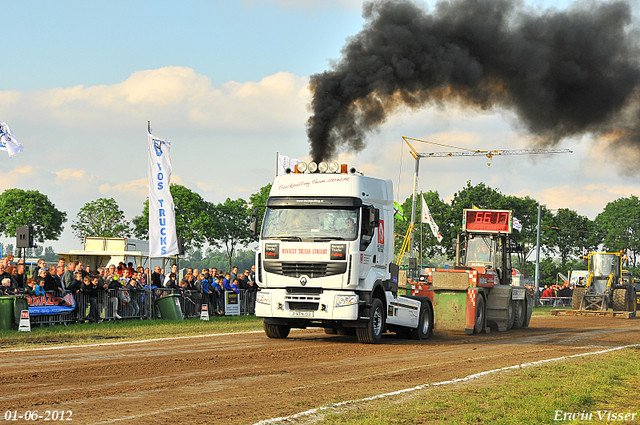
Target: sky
[{"x": 226, "y": 83}]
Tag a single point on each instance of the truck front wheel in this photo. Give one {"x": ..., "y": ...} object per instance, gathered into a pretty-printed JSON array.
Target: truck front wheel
[
  {"x": 276, "y": 331},
  {"x": 479, "y": 322},
  {"x": 372, "y": 332}
]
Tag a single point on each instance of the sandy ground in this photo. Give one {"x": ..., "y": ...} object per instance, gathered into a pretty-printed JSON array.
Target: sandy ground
[{"x": 245, "y": 378}]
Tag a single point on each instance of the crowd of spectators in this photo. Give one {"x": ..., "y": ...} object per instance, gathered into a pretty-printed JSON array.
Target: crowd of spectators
[{"x": 121, "y": 282}]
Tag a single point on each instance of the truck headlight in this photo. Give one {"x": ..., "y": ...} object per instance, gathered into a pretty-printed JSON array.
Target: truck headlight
[
  {"x": 345, "y": 300},
  {"x": 263, "y": 298}
]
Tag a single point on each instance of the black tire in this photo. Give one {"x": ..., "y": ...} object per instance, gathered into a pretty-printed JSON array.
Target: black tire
[
  {"x": 620, "y": 299},
  {"x": 425, "y": 323},
  {"x": 576, "y": 300},
  {"x": 521, "y": 312},
  {"x": 276, "y": 331},
  {"x": 631, "y": 299},
  {"x": 347, "y": 331},
  {"x": 511, "y": 309},
  {"x": 331, "y": 331},
  {"x": 372, "y": 332},
  {"x": 480, "y": 315}
]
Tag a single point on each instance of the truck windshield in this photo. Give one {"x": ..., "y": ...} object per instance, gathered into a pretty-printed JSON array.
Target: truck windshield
[
  {"x": 310, "y": 224},
  {"x": 480, "y": 251}
]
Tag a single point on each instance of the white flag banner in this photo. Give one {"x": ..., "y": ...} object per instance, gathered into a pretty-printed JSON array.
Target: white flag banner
[
  {"x": 427, "y": 218},
  {"x": 517, "y": 225},
  {"x": 163, "y": 241},
  {"x": 285, "y": 162},
  {"x": 8, "y": 141}
]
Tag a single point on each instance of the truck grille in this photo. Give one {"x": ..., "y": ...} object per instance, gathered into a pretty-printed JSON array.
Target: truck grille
[
  {"x": 313, "y": 270},
  {"x": 301, "y": 301}
]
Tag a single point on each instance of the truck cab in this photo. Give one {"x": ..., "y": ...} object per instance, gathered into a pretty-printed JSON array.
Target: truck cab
[{"x": 325, "y": 257}]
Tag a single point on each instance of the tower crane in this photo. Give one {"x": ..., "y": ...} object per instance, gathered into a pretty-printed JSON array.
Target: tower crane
[{"x": 462, "y": 152}]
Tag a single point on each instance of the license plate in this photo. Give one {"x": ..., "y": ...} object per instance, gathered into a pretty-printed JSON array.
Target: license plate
[{"x": 301, "y": 313}]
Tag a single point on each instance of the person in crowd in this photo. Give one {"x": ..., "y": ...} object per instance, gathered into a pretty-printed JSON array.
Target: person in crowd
[
  {"x": 218, "y": 296},
  {"x": 130, "y": 267},
  {"x": 52, "y": 282},
  {"x": 156, "y": 280},
  {"x": 235, "y": 287},
  {"x": 171, "y": 283},
  {"x": 143, "y": 277},
  {"x": 111, "y": 287},
  {"x": 61, "y": 262},
  {"x": 132, "y": 287},
  {"x": 242, "y": 281},
  {"x": 69, "y": 276},
  {"x": 36, "y": 270},
  {"x": 10, "y": 258},
  {"x": 88, "y": 270},
  {"x": 76, "y": 283},
  {"x": 30, "y": 289},
  {"x": 21, "y": 277},
  {"x": 60, "y": 272},
  {"x": 3, "y": 272},
  {"x": 40, "y": 287},
  {"x": 6, "y": 288},
  {"x": 174, "y": 270},
  {"x": 80, "y": 267},
  {"x": 207, "y": 292},
  {"x": 234, "y": 274},
  {"x": 89, "y": 290},
  {"x": 112, "y": 273},
  {"x": 251, "y": 291}
]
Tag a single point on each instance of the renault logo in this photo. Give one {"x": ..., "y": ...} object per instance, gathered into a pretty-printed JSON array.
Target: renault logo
[{"x": 303, "y": 280}]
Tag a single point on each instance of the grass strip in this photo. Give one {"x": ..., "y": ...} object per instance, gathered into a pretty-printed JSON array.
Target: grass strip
[
  {"x": 589, "y": 389},
  {"x": 83, "y": 333}
]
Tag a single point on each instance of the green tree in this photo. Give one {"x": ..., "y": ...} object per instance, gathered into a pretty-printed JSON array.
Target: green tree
[
  {"x": 102, "y": 217},
  {"x": 526, "y": 211},
  {"x": 259, "y": 200},
  {"x": 567, "y": 234},
  {"x": 191, "y": 217},
  {"x": 9, "y": 250},
  {"x": 619, "y": 226},
  {"x": 30, "y": 208},
  {"x": 441, "y": 213},
  {"x": 50, "y": 255},
  {"x": 230, "y": 226}
]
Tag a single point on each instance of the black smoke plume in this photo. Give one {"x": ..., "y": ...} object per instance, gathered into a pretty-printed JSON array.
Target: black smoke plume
[{"x": 563, "y": 72}]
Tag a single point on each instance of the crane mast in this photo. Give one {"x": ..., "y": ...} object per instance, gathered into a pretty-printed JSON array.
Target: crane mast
[{"x": 462, "y": 152}]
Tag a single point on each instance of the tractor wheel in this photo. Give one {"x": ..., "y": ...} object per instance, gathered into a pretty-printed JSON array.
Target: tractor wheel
[
  {"x": 512, "y": 314},
  {"x": 480, "y": 314},
  {"x": 372, "y": 333},
  {"x": 276, "y": 331},
  {"x": 425, "y": 324},
  {"x": 576, "y": 300},
  {"x": 521, "y": 312},
  {"x": 619, "y": 299},
  {"x": 631, "y": 298}
]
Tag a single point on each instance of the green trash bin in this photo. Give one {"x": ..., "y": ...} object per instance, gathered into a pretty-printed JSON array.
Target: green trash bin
[
  {"x": 169, "y": 307},
  {"x": 7, "y": 320},
  {"x": 19, "y": 303}
]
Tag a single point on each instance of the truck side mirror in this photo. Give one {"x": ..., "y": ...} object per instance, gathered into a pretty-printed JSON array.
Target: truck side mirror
[{"x": 253, "y": 226}]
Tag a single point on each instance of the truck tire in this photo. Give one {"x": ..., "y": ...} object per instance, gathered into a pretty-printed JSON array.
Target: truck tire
[
  {"x": 372, "y": 332},
  {"x": 331, "y": 331},
  {"x": 631, "y": 299},
  {"x": 480, "y": 315},
  {"x": 276, "y": 331},
  {"x": 521, "y": 312},
  {"x": 576, "y": 300},
  {"x": 620, "y": 299},
  {"x": 511, "y": 310},
  {"x": 425, "y": 323}
]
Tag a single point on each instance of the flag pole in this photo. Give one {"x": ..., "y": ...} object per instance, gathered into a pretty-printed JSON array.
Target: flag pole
[
  {"x": 148, "y": 289},
  {"x": 277, "y": 160}
]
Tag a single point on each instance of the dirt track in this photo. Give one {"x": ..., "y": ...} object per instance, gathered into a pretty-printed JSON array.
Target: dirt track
[{"x": 245, "y": 378}]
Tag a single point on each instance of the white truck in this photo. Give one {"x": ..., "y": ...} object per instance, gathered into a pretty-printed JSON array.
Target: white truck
[{"x": 326, "y": 257}]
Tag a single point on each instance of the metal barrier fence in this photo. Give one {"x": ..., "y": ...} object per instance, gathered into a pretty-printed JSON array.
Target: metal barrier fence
[{"x": 127, "y": 304}]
